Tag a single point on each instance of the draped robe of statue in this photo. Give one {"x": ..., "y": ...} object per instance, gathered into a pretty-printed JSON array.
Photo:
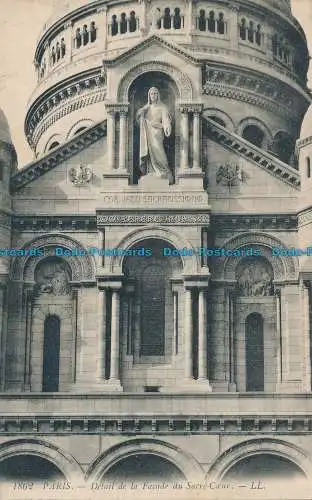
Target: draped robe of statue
[{"x": 155, "y": 123}]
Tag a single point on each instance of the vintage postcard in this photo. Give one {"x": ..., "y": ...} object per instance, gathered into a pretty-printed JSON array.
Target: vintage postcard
[{"x": 155, "y": 250}]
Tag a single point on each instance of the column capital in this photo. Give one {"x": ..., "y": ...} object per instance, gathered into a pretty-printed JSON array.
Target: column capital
[
  {"x": 116, "y": 107},
  {"x": 191, "y": 107}
]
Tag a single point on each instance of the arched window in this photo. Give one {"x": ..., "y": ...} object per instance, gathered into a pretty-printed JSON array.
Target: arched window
[
  {"x": 85, "y": 35},
  {"x": 167, "y": 19},
  {"x": 63, "y": 47},
  {"x": 177, "y": 19},
  {"x": 254, "y": 352},
  {"x": 242, "y": 29},
  {"x": 123, "y": 23},
  {"x": 308, "y": 164},
  {"x": 132, "y": 22},
  {"x": 53, "y": 55},
  {"x": 221, "y": 24},
  {"x": 251, "y": 32},
  {"x": 78, "y": 38},
  {"x": 283, "y": 146},
  {"x": 253, "y": 134},
  {"x": 54, "y": 145},
  {"x": 58, "y": 51},
  {"x": 51, "y": 354},
  {"x": 211, "y": 22},
  {"x": 114, "y": 27},
  {"x": 202, "y": 20},
  {"x": 258, "y": 35},
  {"x": 92, "y": 32}
]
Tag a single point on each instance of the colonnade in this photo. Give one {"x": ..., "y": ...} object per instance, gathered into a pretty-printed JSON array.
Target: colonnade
[{"x": 190, "y": 120}]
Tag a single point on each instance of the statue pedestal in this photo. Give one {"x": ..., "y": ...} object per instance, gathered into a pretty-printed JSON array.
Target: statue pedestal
[
  {"x": 190, "y": 179},
  {"x": 117, "y": 178},
  {"x": 151, "y": 182}
]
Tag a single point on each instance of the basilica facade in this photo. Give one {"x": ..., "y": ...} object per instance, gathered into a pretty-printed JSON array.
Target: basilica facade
[{"x": 155, "y": 255}]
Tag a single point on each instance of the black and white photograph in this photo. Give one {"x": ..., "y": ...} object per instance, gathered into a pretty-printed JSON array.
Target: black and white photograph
[{"x": 156, "y": 250}]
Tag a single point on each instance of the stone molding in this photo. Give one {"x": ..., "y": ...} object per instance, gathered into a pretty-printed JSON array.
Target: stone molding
[
  {"x": 154, "y": 218},
  {"x": 47, "y": 223},
  {"x": 180, "y": 78},
  {"x": 262, "y": 158},
  {"x": 51, "y": 106},
  {"x": 57, "y": 156},
  {"x": 246, "y": 425},
  {"x": 82, "y": 267},
  {"x": 38, "y": 447},
  {"x": 288, "y": 222},
  {"x": 284, "y": 267},
  {"x": 264, "y": 445},
  {"x": 251, "y": 87}
]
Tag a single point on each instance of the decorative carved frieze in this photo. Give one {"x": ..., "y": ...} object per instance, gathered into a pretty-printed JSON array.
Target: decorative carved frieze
[
  {"x": 49, "y": 223},
  {"x": 164, "y": 425},
  {"x": 154, "y": 218},
  {"x": 255, "y": 221}
]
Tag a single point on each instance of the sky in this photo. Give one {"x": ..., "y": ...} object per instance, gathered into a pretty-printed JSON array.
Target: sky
[{"x": 21, "y": 23}]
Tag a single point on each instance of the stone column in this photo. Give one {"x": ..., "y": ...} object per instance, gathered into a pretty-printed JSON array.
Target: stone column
[
  {"x": 188, "y": 334},
  {"x": 111, "y": 138},
  {"x": 101, "y": 35},
  {"x": 202, "y": 336},
  {"x": 306, "y": 292},
  {"x": 122, "y": 139},
  {"x": 115, "y": 320},
  {"x": 28, "y": 320},
  {"x": 102, "y": 335},
  {"x": 279, "y": 372},
  {"x": 184, "y": 138},
  {"x": 196, "y": 138}
]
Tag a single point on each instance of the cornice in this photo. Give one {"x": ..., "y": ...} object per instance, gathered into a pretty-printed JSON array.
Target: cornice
[
  {"x": 153, "y": 39},
  {"x": 253, "y": 87},
  {"x": 82, "y": 90},
  {"x": 247, "y": 424},
  {"x": 263, "y": 159},
  {"x": 60, "y": 223},
  {"x": 39, "y": 167}
]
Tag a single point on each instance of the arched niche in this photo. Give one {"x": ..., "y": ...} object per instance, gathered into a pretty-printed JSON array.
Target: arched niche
[
  {"x": 29, "y": 467},
  {"x": 264, "y": 467},
  {"x": 152, "y": 277},
  {"x": 142, "y": 467},
  {"x": 137, "y": 98}
]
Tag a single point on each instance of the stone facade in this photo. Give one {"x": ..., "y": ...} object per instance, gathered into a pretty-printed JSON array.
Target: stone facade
[{"x": 154, "y": 329}]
